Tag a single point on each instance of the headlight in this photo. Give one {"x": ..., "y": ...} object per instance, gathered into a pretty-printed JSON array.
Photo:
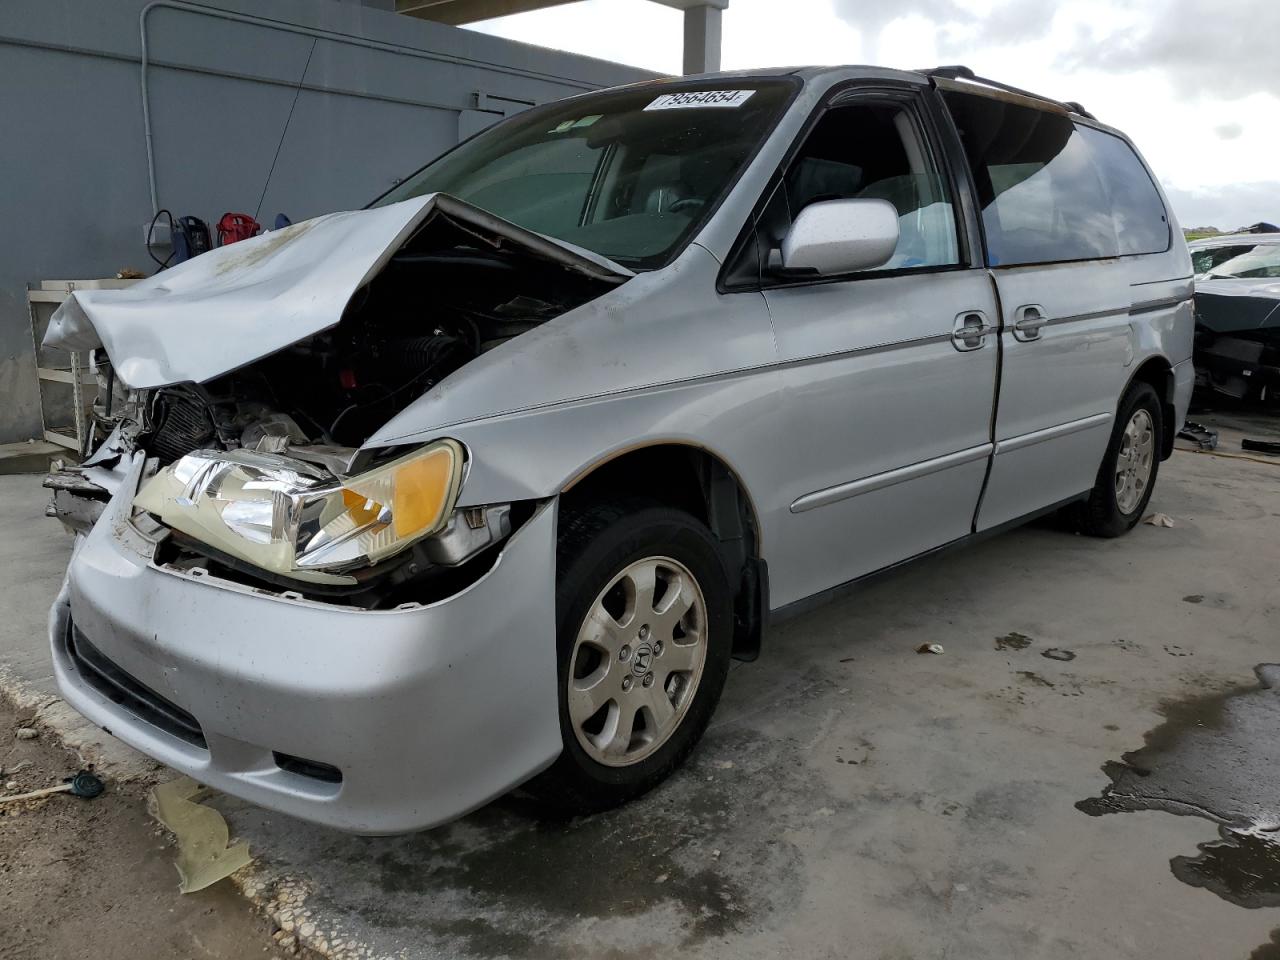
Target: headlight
[{"x": 294, "y": 519}]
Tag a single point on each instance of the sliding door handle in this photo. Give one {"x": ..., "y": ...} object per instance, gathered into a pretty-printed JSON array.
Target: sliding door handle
[{"x": 1028, "y": 323}]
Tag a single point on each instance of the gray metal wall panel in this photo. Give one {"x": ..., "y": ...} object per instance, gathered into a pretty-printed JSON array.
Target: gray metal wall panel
[{"x": 75, "y": 194}]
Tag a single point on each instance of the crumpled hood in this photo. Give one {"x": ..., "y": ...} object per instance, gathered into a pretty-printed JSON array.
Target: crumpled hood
[
  {"x": 1238, "y": 305},
  {"x": 1266, "y": 287},
  {"x": 239, "y": 303}
]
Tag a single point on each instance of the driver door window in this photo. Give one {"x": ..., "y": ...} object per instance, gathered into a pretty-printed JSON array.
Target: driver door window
[{"x": 876, "y": 151}]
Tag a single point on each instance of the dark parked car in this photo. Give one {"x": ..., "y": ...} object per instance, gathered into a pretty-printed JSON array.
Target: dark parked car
[{"x": 1237, "y": 350}]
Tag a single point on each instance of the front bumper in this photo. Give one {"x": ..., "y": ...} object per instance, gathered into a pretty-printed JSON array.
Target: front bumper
[
  {"x": 427, "y": 711},
  {"x": 1235, "y": 367}
]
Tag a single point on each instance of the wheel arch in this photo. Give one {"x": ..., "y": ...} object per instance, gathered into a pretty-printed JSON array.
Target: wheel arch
[
  {"x": 1158, "y": 372},
  {"x": 701, "y": 482}
]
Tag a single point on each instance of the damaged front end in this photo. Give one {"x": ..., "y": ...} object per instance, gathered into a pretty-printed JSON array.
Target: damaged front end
[
  {"x": 1237, "y": 346},
  {"x": 256, "y": 468}
]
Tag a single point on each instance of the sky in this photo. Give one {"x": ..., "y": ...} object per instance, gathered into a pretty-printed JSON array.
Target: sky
[{"x": 1195, "y": 83}]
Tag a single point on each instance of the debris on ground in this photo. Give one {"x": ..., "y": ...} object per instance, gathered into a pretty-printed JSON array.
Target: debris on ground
[
  {"x": 1260, "y": 446},
  {"x": 1032, "y": 677},
  {"x": 929, "y": 648},
  {"x": 95, "y": 879},
  {"x": 1013, "y": 641},
  {"x": 1159, "y": 520},
  {"x": 1199, "y": 434},
  {"x": 26, "y": 733},
  {"x": 83, "y": 784},
  {"x": 205, "y": 852},
  {"x": 1057, "y": 653}
]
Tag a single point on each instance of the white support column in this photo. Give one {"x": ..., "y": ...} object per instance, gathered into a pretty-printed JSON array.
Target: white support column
[{"x": 702, "y": 38}]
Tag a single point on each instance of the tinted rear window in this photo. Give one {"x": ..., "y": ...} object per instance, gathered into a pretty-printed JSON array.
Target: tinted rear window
[{"x": 1051, "y": 190}]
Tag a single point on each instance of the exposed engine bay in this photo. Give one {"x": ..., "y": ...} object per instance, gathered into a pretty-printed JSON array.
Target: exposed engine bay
[
  {"x": 293, "y": 423},
  {"x": 437, "y": 305}
]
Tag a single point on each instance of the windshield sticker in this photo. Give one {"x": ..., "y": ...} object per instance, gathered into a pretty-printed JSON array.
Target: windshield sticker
[
  {"x": 701, "y": 98},
  {"x": 576, "y": 124}
]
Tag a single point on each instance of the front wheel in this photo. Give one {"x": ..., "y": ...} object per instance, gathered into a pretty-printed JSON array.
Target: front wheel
[
  {"x": 1127, "y": 475},
  {"x": 644, "y": 613}
]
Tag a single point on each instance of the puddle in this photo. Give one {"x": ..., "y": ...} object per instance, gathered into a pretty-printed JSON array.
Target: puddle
[
  {"x": 1243, "y": 867},
  {"x": 1217, "y": 757},
  {"x": 1268, "y": 951}
]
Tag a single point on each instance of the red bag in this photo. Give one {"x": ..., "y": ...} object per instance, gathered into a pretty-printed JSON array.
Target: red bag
[{"x": 236, "y": 226}]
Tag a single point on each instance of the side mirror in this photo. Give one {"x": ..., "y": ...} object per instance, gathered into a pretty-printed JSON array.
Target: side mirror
[{"x": 841, "y": 236}]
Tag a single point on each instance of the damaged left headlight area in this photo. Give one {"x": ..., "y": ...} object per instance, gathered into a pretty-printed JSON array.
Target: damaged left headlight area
[
  {"x": 388, "y": 534},
  {"x": 294, "y": 519}
]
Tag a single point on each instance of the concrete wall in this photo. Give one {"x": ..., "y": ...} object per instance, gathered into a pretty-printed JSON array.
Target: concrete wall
[{"x": 74, "y": 194}]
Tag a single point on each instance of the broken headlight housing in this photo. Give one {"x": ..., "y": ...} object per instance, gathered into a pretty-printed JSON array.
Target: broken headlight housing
[{"x": 294, "y": 519}]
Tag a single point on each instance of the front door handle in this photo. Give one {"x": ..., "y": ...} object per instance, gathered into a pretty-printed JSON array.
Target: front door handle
[
  {"x": 1029, "y": 320},
  {"x": 970, "y": 331}
]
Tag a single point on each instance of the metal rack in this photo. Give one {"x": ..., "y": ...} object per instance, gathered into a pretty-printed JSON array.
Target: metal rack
[{"x": 54, "y": 373}]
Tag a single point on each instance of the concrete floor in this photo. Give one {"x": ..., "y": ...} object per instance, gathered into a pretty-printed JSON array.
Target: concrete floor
[{"x": 854, "y": 798}]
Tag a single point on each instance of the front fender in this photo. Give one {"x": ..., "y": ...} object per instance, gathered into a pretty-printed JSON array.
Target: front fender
[{"x": 538, "y": 453}]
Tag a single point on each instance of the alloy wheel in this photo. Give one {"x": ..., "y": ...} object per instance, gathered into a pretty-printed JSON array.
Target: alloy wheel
[
  {"x": 1134, "y": 460},
  {"x": 637, "y": 661}
]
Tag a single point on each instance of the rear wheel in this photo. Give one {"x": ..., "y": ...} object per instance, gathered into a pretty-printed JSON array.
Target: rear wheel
[
  {"x": 644, "y": 614},
  {"x": 1127, "y": 475}
]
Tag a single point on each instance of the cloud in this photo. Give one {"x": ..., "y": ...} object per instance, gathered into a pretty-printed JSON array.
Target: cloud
[
  {"x": 1227, "y": 207},
  {"x": 1005, "y": 24},
  {"x": 1228, "y": 131},
  {"x": 870, "y": 18},
  {"x": 874, "y": 17},
  {"x": 1225, "y": 49},
  {"x": 957, "y": 28}
]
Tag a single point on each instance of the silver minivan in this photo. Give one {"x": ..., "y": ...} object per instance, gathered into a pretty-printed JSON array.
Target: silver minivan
[{"x": 484, "y": 485}]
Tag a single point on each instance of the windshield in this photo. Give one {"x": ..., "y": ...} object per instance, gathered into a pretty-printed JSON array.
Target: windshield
[
  {"x": 629, "y": 174},
  {"x": 1240, "y": 261}
]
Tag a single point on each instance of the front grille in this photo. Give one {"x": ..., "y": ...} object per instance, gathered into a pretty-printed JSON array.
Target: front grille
[{"x": 110, "y": 681}]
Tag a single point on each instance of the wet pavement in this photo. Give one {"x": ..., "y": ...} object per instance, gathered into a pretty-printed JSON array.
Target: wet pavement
[{"x": 1217, "y": 757}]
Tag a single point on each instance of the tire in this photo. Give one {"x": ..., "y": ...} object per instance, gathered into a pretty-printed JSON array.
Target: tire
[
  {"x": 603, "y": 557},
  {"x": 1114, "y": 507}
]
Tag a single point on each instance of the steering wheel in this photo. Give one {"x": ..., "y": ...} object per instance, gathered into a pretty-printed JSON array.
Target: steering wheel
[{"x": 688, "y": 203}]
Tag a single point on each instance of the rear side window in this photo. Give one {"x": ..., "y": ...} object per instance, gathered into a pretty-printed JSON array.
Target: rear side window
[
  {"x": 1053, "y": 191},
  {"x": 1142, "y": 225}
]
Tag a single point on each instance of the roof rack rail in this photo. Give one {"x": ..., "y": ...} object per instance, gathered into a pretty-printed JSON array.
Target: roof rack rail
[{"x": 960, "y": 72}]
